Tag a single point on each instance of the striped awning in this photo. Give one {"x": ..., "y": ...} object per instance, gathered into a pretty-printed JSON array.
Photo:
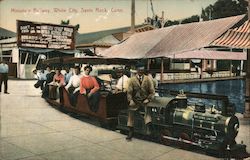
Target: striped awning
[{"x": 235, "y": 38}]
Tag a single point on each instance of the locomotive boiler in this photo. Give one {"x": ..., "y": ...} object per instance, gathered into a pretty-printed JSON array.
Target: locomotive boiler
[{"x": 176, "y": 120}]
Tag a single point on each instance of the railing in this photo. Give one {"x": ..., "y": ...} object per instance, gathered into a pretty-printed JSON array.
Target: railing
[{"x": 195, "y": 75}]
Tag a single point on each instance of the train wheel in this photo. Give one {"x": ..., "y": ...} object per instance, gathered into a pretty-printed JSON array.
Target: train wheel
[
  {"x": 185, "y": 136},
  {"x": 165, "y": 141}
]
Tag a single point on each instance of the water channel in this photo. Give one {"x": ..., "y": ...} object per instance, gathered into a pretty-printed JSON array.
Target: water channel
[{"x": 234, "y": 89}]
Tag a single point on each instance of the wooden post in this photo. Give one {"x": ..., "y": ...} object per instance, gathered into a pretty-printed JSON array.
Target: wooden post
[
  {"x": 201, "y": 74},
  {"x": 241, "y": 67},
  {"x": 231, "y": 68},
  {"x": 26, "y": 58},
  {"x": 148, "y": 64},
  {"x": 247, "y": 99},
  {"x": 132, "y": 16},
  {"x": 94, "y": 50},
  {"x": 162, "y": 69},
  {"x": 162, "y": 19}
]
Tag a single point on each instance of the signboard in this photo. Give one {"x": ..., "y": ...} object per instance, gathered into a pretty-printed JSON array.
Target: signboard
[{"x": 41, "y": 35}]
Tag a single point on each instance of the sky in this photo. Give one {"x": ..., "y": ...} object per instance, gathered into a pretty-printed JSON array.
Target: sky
[{"x": 94, "y": 15}]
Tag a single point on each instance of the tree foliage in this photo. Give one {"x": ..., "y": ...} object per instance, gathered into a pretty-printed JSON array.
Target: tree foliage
[
  {"x": 220, "y": 9},
  {"x": 224, "y": 8},
  {"x": 171, "y": 23},
  {"x": 191, "y": 19},
  {"x": 67, "y": 22}
]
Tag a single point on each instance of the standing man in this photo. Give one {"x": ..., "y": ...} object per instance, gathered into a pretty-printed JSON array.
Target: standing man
[
  {"x": 140, "y": 92},
  {"x": 4, "y": 70}
]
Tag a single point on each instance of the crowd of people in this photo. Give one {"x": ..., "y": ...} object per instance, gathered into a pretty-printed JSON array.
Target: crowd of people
[{"x": 138, "y": 84}]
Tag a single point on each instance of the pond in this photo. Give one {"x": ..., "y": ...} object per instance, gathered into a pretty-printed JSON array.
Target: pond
[{"x": 234, "y": 89}]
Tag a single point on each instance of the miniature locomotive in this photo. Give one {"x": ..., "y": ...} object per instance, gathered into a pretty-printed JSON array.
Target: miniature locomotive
[{"x": 173, "y": 119}]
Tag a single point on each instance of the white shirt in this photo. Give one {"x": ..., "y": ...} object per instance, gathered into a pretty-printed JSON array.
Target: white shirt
[
  {"x": 40, "y": 76},
  {"x": 43, "y": 76},
  {"x": 4, "y": 68},
  {"x": 68, "y": 76},
  {"x": 75, "y": 82},
  {"x": 122, "y": 83}
]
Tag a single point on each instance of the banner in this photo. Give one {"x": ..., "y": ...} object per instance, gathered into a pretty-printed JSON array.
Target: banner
[{"x": 42, "y": 35}]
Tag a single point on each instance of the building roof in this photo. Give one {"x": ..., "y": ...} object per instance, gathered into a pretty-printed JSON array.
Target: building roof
[
  {"x": 87, "y": 39},
  {"x": 172, "y": 40},
  {"x": 4, "y": 33},
  {"x": 107, "y": 41},
  {"x": 235, "y": 38}
]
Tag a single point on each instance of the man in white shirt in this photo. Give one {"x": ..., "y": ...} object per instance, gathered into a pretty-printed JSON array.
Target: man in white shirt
[
  {"x": 73, "y": 86},
  {"x": 4, "y": 70},
  {"x": 40, "y": 75},
  {"x": 122, "y": 83}
]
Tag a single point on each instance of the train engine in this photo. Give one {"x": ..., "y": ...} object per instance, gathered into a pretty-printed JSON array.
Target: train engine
[{"x": 175, "y": 120}]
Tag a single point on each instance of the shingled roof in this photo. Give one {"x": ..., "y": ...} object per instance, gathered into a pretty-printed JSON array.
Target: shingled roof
[
  {"x": 167, "y": 41},
  {"x": 4, "y": 33},
  {"x": 91, "y": 38}
]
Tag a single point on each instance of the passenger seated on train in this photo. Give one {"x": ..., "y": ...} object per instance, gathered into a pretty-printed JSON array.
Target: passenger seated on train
[
  {"x": 73, "y": 87},
  {"x": 122, "y": 83},
  {"x": 49, "y": 78},
  {"x": 55, "y": 91},
  {"x": 152, "y": 76},
  {"x": 90, "y": 88},
  {"x": 127, "y": 71},
  {"x": 41, "y": 78},
  {"x": 67, "y": 75}
]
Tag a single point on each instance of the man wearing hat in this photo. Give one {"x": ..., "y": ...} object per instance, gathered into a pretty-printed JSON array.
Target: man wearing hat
[
  {"x": 4, "y": 70},
  {"x": 140, "y": 92},
  {"x": 122, "y": 83}
]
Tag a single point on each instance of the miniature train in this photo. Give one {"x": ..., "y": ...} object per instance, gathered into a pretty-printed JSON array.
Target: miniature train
[{"x": 173, "y": 120}]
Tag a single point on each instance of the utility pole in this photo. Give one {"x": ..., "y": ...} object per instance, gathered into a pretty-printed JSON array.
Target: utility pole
[
  {"x": 162, "y": 19},
  {"x": 132, "y": 17},
  {"x": 247, "y": 101}
]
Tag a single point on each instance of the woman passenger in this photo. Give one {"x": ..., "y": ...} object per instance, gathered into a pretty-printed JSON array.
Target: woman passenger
[
  {"x": 56, "y": 84},
  {"x": 58, "y": 78},
  {"x": 90, "y": 87}
]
